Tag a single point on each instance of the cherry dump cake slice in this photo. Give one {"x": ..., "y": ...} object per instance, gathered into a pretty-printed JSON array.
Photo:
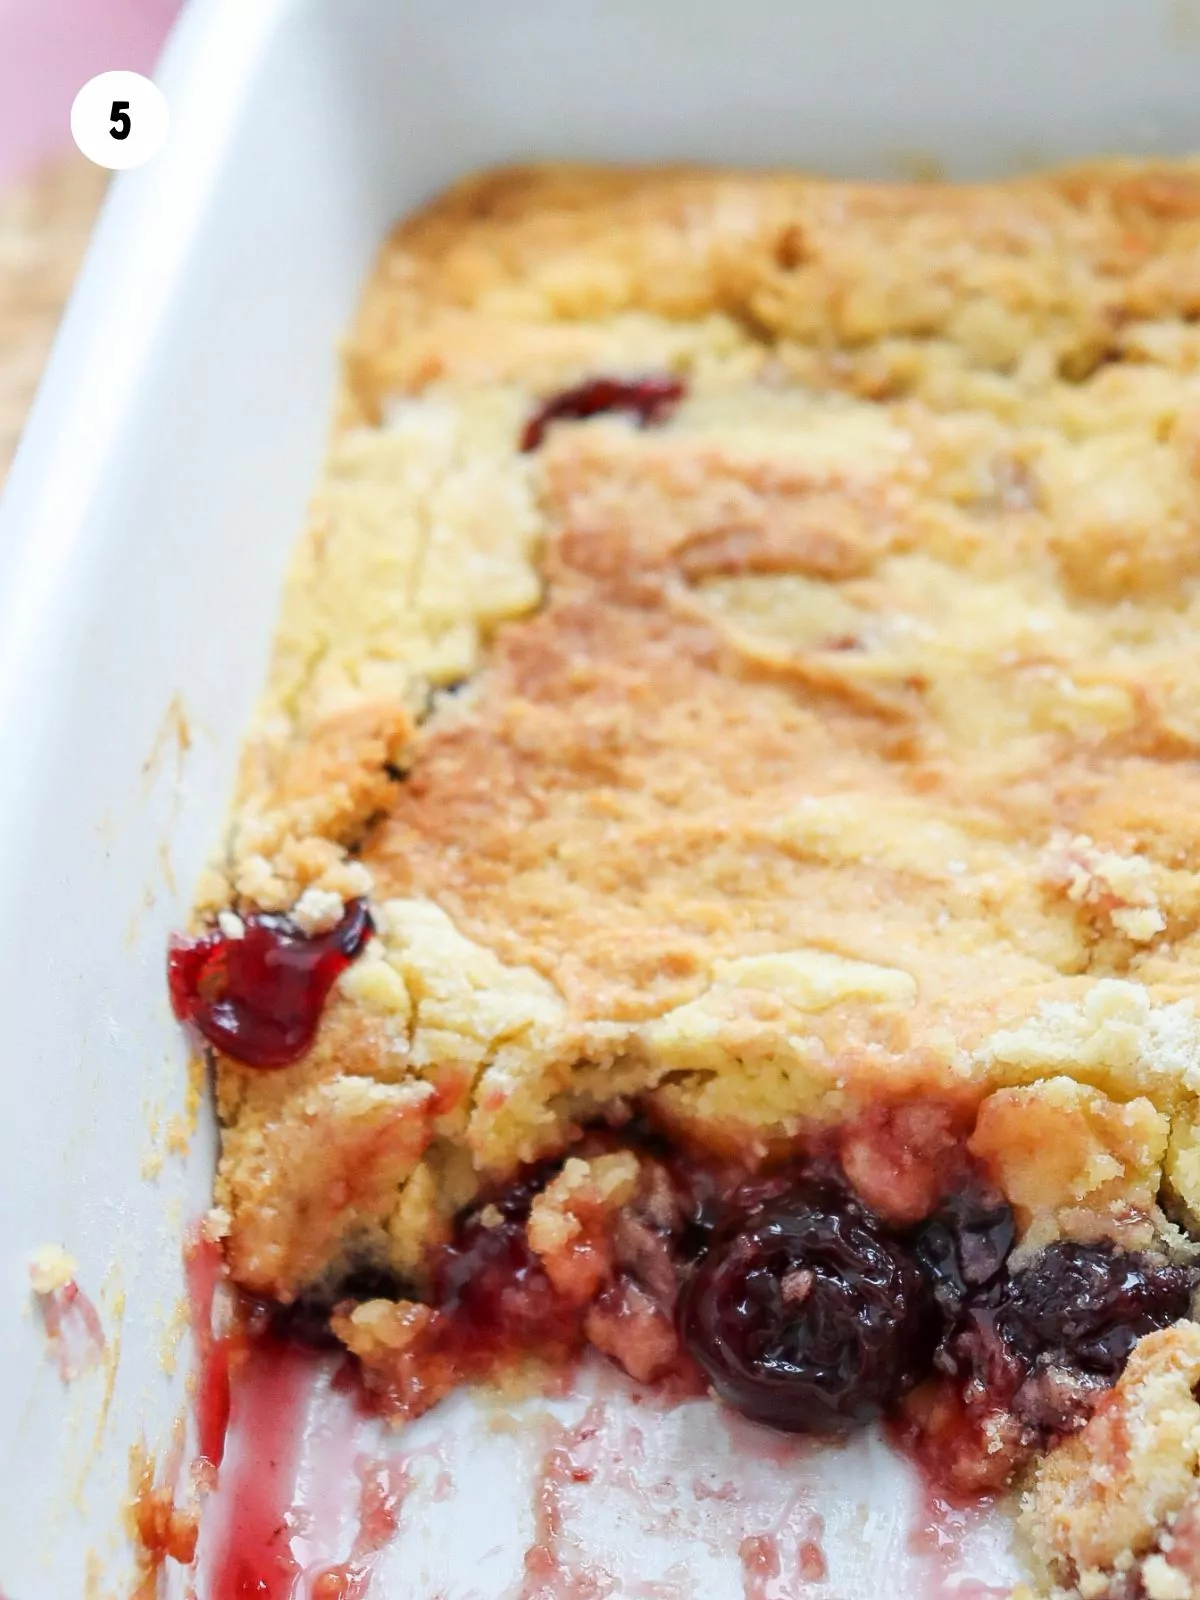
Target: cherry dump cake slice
[{"x": 714, "y": 876}]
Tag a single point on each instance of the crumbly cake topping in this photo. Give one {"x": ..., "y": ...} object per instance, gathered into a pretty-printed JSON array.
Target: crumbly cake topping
[
  {"x": 872, "y": 658},
  {"x": 1104, "y": 1501},
  {"x": 828, "y": 744}
]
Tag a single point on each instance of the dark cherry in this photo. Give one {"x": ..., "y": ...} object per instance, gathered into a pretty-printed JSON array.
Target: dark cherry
[
  {"x": 649, "y": 399},
  {"x": 494, "y": 1289},
  {"x": 306, "y": 1320},
  {"x": 803, "y": 1309},
  {"x": 259, "y": 998},
  {"x": 1045, "y": 1343},
  {"x": 962, "y": 1248},
  {"x": 806, "y": 1315},
  {"x": 1087, "y": 1305}
]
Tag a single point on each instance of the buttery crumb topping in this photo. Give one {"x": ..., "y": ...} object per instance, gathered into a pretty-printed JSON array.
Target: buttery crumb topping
[{"x": 821, "y": 742}]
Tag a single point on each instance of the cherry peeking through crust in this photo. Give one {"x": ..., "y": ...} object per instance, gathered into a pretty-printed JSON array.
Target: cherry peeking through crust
[
  {"x": 649, "y": 400},
  {"x": 259, "y": 998}
]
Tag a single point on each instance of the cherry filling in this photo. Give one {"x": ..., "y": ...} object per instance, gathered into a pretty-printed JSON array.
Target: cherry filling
[
  {"x": 805, "y": 1315},
  {"x": 1030, "y": 1353},
  {"x": 490, "y": 1304},
  {"x": 962, "y": 1248},
  {"x": 801, "y": 1307},
  {"x": 259, "y": 997},
  {"x": 649, "y": 400},
  {"x": 1024, "y": 1356},
  {"x": 1087, "y": 1306},
  {"x": 493, "y": 1295}
]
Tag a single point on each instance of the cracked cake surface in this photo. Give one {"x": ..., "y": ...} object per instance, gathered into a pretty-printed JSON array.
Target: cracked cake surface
[{"x": 812, "y": 763}]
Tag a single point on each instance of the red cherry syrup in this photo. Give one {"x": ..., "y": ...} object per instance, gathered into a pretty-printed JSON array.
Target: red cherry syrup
[
  {"x": 259, "y": 998},
  {"x": 649, "y": 400}
]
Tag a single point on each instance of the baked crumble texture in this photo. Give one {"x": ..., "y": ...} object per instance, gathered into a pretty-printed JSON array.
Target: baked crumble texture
[
  {"x": 1115, "y": 1510},
  {"x": 827, "y": 749}
]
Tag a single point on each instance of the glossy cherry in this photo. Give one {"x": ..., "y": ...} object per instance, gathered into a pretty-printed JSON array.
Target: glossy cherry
[
  {"x": 649, "y": 399},
  {"x": 964, "y": 1246},
  {"x": 1087, "y": 1305},
  {"x": 1026, "y": 1356},
  {"x": 806, "y": 1315},
  {"x": 259, "y": 997}
]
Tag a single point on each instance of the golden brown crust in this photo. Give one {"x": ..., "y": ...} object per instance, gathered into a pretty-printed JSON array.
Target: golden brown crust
[
  {"x": 832, "y": 742},
  {"x": 823, "y": 758},
  {"x": 1052, "y": 267}
]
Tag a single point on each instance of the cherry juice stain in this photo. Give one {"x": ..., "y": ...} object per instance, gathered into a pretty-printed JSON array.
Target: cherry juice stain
[
  {"x": 253, "y": 1387},
  {"x": 253, "y": 1557},
  {"x": 776, "y": 1537},
  {"x": 546, "y": 1576},
  {"x": 74, "y": 1332},
  {"x": 253, "y": 1391},
  {"x": 384, "y": 1485},
  {"x": 939, "y": 1536},
  {"x": 788, "y": 1559},
  {"x": 215, "y": 1350}
]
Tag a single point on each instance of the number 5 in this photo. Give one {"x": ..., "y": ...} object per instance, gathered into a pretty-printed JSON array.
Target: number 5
[{"x": 119, "y": 117}]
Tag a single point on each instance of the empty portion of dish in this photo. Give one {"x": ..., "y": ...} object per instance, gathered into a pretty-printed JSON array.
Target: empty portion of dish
[{"x": 715, "y": 873}]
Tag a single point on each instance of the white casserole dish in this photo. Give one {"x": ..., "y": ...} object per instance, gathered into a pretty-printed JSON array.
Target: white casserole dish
[{"x": 158, "y": 492}]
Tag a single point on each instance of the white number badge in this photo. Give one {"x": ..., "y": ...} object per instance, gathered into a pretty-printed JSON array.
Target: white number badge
[{"x": 119, "y": 119}]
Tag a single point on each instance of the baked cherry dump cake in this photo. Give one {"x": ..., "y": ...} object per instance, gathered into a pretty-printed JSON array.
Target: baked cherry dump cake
[{"x": 714, "y": 875}]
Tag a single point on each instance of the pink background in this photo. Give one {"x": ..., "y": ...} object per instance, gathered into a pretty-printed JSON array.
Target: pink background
[{"x": 49, "y": 49}]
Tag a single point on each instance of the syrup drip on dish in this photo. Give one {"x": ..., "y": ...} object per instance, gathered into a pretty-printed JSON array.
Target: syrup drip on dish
[
  {"x": 214, "y": 1349},
  {"x": 254, "y": 1559}
]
